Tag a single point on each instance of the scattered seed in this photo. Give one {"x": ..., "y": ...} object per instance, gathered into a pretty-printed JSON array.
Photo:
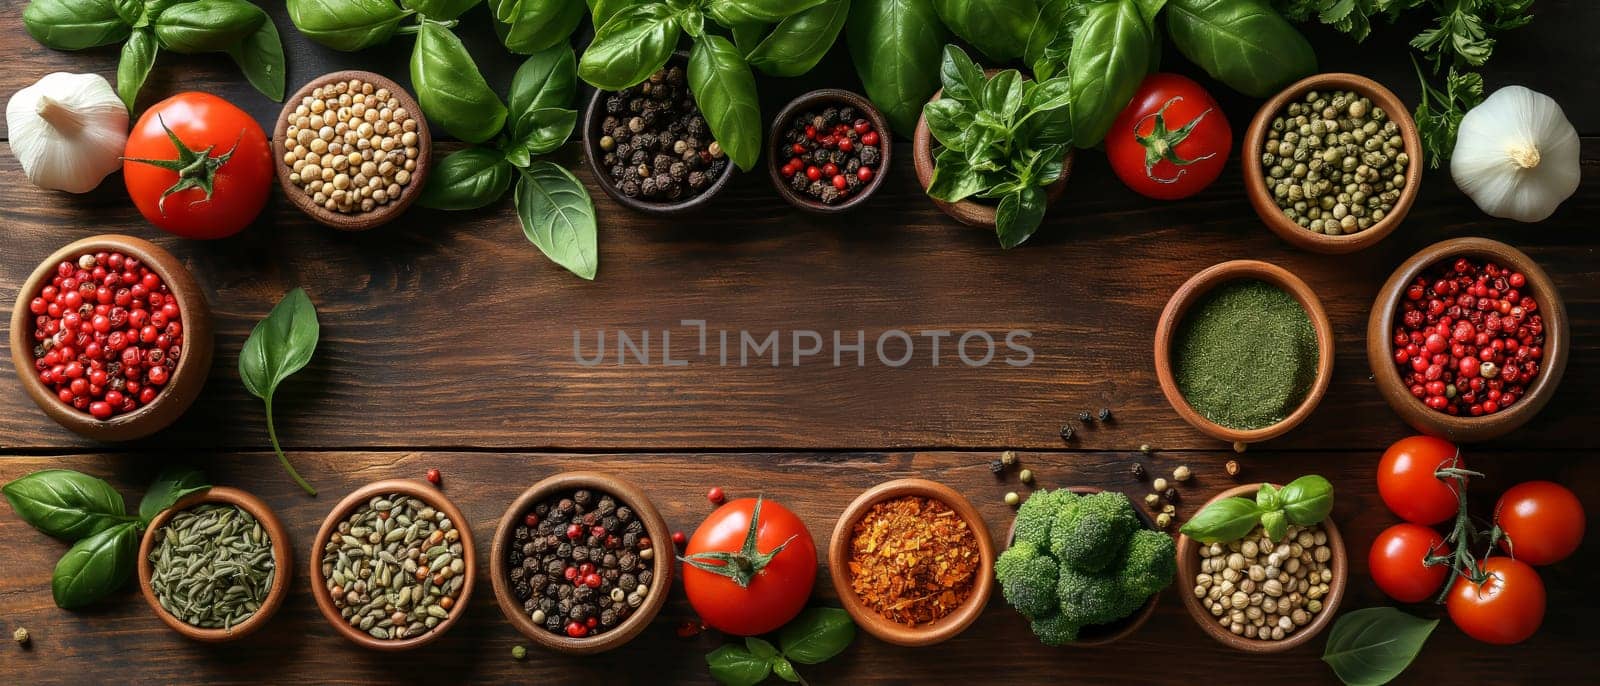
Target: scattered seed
[
  {"x": 1232, "y": 467},
  {"x": 21, "y": 637},
  {"x": 1008, "y": 458},
  {"x": 1163, "y": 520},
  {"x": 1182, "y": 473},
  {"x": 997, "y": 467},
  {"x": 1138, "y": 471},
  {"x": 1171, "y": 494},
  {"x": 1151, "y": 500},
  {"x": 1013, "y": 499},
  {"x": 1066, "y": 432},
  {"x": 1238, "y": 447},
  {"x": 519, "y": 653},
  {"x": 1145, "y": 448},
  {"x": 1105, "y": 414},
  {"x": 1159, "y": 485},
  {"x": 1026, "y": 475}
]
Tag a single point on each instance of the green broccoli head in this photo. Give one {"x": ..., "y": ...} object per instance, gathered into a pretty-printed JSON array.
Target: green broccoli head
[
  {"x": 1089, "y": 533},
  {"x": 1055, "y": 630},
  {"x": 1030, "y": 586},
  {"x": 1037, "y": 514},
  {"x": 1088, "y": 598},
  {"x": 1013, "y": 558},
  {"x": 1148, "y": 565}
]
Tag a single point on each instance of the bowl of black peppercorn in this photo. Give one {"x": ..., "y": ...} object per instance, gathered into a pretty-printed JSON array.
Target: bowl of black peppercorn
[
  {"x": 650, "y": 147},
  {"x": 828, "y": 151}
]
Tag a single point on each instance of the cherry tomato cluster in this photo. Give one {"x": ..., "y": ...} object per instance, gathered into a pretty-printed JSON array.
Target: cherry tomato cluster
[
  {"x": 1469, "y": 340},
  {"x": 829, "y": 157},
  {"x": 1499, "y": 599},
  {"x": 107, "y": 334}
]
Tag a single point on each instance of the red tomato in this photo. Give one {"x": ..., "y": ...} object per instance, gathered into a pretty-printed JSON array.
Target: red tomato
[
  {"x": 773, "y": 592},
  {"x": 1505, "y": 609},
  {"x": 1395, "y": 562},
  {"x": 1151, "y": 151},
  {"x": 1543, "y": 522},
  {"x": 238, "y": 166},
  {"x": 1407, "y": 483}
]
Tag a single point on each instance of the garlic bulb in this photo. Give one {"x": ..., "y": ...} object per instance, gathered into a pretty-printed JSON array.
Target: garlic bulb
[
  {"x": 1516, "y": 155},
  {"x": 68, "y": 130}
]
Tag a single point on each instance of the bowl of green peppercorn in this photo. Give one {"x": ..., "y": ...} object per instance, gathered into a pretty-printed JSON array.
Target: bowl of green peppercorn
[{"x": 1333, "y": 163}]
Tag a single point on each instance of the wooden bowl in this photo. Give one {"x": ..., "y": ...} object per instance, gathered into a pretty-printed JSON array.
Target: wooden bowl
[
  {"x": 1200, "y": 284},
  {"x": 1189, "y": 565},
  {"x": 595, "y": 116},
  {"x": 416, "y": 489},
  {"x": 660, "y": 541},
  {"x": 354, "y": 221},
  {"x": 182, "y": 387},
  {"x": 1255, "y": 177},
  {"x": 969, "y": 212},
  {"x": 869, "y": 620},
  {"x": 282, "y": 557},
  {"x": 1380, "y": 348},
  {"x": 814, "y": 101},
  {"x": 1105, "y": 634}
]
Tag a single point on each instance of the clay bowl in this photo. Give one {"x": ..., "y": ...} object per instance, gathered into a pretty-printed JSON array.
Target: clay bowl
[
  {"x": 1255, "y": 176},
  {"x": 1380, "y": 347},
  {"x": 183, "y": 385},
  {"x": 869, "y": 620},
  {"x": 595, "y": 116},
  {"x": 1105, "y": 634},
  {"x": 969, "y": 212},
  {"x": 1200, "y": 284},
  {"x": 1189, "y": 565},
  {"x": 815, "y": 101},
  {"x": 282, "y": 557},
  {"x": 355, "y": 221},
  {"x": 416, "y": 489},
  {"x": 655, "y": 528}
]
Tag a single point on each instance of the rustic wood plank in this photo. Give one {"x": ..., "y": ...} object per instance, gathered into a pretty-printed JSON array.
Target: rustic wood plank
[{"x": 120, "y": 640}]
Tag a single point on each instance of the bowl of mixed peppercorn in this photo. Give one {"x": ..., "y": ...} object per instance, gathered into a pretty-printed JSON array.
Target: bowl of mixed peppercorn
[
  {"x": 651, "y": 148},
  {"x": 581, "y": 562},
  {"x": 829, "y": 150}
]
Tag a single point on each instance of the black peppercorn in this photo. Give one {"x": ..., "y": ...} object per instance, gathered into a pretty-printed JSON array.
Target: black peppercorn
[
  {"x": 1138, "y": 471},
  {"x": 1171, "y": 495},
  {"x": 614, "y": 104},
  {"x": 1105, "y": 414},
  {"x": 997, "y": 467},
  {"x": 1066, "y": 432},
  {"x": 869, "y": 155},
  {"x": 1085, "y": 417}
]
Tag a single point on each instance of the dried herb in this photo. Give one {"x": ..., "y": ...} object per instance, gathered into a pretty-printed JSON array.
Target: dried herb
[
  {"x": 913, "y": 560},
  {"x": 1245, "y": 355}
]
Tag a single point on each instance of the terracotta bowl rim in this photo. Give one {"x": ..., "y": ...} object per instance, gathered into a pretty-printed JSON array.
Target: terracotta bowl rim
[
  {"x": 870, "y": 621},
  {"x": 438, "y": 501},
  {"x": 1203, "y": 282},
  {"x": 811, "y": 99},
  {"x": 660, "y": 542}
]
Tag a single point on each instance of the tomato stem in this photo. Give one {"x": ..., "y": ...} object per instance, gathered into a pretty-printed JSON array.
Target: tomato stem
[
  {"x": 1162, "y": 143},
  {"x": 741, "y": 566},
  {"x": 1462, "y": 533}
]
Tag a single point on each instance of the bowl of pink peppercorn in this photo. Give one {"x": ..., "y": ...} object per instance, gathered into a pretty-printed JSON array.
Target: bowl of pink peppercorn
[
  {"x": 829, "y": 150},
  {"x": 111, "y": 337}
]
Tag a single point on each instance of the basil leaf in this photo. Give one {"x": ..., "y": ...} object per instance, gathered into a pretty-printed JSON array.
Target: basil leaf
[
  {"x": 1002, "y": 95},
  {"x": 1049, "y": 117},
  {"x": 466, "y": 180},
  {"x": 347, "y": 24},
  {"x": 997, "y": 28},
  {"x": 760, "y": 648},
  {"x": 548, "y": 78},
  {"x": 725, "y": 90},
  {"x": 207, "y": 25},
  {"x": 785, "y": 670},
  {"x": 558, "y": 217},
  {"x": 95, "y": 566},
  {"x": 260, "y": 57},
  {"x": 895, "y": 45},
  {"x": 279, "y": 346},
  {"x": 1110, "y": 57},
  {"x": 450, "y": 89},
  {"x": 75, "y": 24},
  {"x": 636, "y": 43},
  {"x": 1275, "y": 525},
  {"x": 1307, "y": 500},
  {"x": 138, "y": 57},
  {"x": 1371, "y": 647},
  {"x": 1242, "y": 43},
  {"x": 960, "y": 77},
  {"x": 539, "y": 132},
  {"x": 1019, "y": 215},
  {"x": 730, "y": 12},
  {"x": 800, "y": 41},
  {"x": 948, "y": 121},
  {"x": 66, "y": 504},
  {"x": 817, "y": 635},
  {"x": 733, "y": 665},
  {"x": 1222, "y": 521},
  {"x": 602, "y": 11},
  {"x": 528, "y": 26},
  {"x": 954, "y": 179},
  {"x": 1267, "y": 498},
  {"x": 440, "y": 10},
  {"x": 1050, "y": 41},
  {"x": 170, "y": 486}
]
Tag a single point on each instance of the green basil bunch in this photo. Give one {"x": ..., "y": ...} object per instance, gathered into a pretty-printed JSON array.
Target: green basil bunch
[
  {"x": 1305, "y": 501},
  {"x": 87, "y": 511},
  {"x": 1002, "y": 138},
  {"x": 145, "y": 27},
  {"x": 555, "y": 210},
  {"x": 813, "y": 637},
  {"x": 895, "y": 46}
]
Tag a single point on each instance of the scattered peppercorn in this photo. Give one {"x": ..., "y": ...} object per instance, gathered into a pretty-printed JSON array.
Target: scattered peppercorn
[
  {"x": 997, "y": 467},
  {"x": 21, "y": 637},
  {"x": 1066, "y": 432},
  {"x": 1159, "y": 485},
  {"x": 1085, "y": 417},
  {"x": 1163, "y": 520},
  {"x": 1026, "y": 475},
  {"x": 1138, "y": 471},
  {"x": 660, "y": 148},
  {"x": 1151, "y": 500},
  {"x": 689, "y": 629},
  {"x": 1182, "y": 473},
  {"x": 519, "y": 653},
  {"x": 1171, "y": 494},
  {"x": 1145, "y": 448},
  {"x": 1013, "y": 499},
  {"x": 715, "y": 495},
  {"x": 1335, "y": 163},
  {"x": 1008, "y": 458},
  {"x": 678, "y": 538},
  {"x": 1239, "y": 446},
  {"x": 1105, "y": 414},
  {"x": 1169, "y": 508},
  {"x": 433, "y": 476},
  {"x": 1231, "y": 467},
  {"x": 831, "y": 155}
]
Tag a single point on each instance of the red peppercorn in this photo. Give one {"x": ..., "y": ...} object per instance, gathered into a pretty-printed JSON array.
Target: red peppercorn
[
  {"x": 433, "y": 476},
  {"x": 840, "y": 182},
  {"x": 530, "y": 520},
  {"x": 863, "y": 126},
  {"x": 813, "y": 173},
  {"x": 715, "y": 495},
  {"x": 570, "y": 573},
  {"x": 592, "y": 580},
  {"x": 577, "y": 630},
  {"x": 574, "y": 531},
  {"x": 688, "y": 629},
  {"x": 864, "y": 174},
  {"x": 678, "y": 538},
  {"x": 830, "y": 170},
  {"x": 845, "y": 145}
]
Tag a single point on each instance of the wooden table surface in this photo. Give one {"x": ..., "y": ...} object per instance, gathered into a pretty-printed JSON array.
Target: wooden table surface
[{"x": 448, "y": 342}]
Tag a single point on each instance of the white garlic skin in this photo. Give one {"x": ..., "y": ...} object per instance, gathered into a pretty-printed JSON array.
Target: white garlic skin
[
  {"x": 1516, "y": 155},
  {"x": 68, "y": 131}
]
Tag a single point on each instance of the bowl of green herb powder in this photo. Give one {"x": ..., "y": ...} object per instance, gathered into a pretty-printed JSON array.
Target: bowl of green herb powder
[{"x": 1244, "y": 351}]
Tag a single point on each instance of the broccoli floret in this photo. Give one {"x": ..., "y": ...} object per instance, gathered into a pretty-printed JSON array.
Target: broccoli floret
[
  {"x": 1089, "y": 533},
  {"x": 1148, "y": 565},
  {"x": 1037, "y": 513},
  {"x": 1088, "y": 598},
  {"x": 1031, "y": 585},
  {"x": 1055, "y": 630},
  {"x": 1012, "y": 559}
]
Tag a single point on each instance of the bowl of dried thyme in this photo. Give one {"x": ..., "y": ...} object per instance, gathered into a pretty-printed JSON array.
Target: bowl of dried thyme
[
  {"x": 216, "y": 565},
  {"x": 912, "y": 562}
]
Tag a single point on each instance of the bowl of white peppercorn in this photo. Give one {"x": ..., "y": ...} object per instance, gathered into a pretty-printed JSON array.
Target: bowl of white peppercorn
[
  {"x": 1332, "y": 163},
  {"x": 353, "y": 150},
  {"x": 1262, "y": 596}
]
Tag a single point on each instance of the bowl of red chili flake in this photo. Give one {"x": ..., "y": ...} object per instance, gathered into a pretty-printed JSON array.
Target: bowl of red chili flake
[
  {"x": 111, "y": 337},
  {"x": 1468, "y": 339},
  {"x": 912, "y": 562}
]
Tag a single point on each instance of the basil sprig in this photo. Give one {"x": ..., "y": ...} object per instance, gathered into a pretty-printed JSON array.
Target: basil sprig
[
  {"x": 1305, "y": 501},
  {"x": 87, "y": 511},
  {"x": 279, "y": 346},
  {"x": 236, "y": 27},
  {"x": 813, "y": 637},
  {"x": 1371, "y": 647}
]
